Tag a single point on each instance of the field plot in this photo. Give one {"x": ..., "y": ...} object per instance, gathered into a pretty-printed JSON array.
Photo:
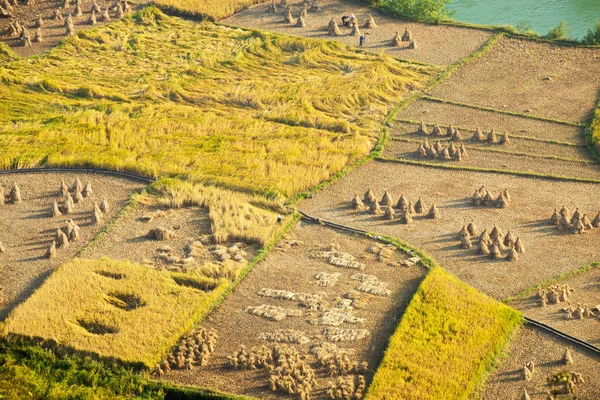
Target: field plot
[
  {"x": 114, "y": 309},
  {"x": 53, "y": 30},
  {"x": 109, "y": 97},
  {"x": 584, "y": 293},
  {"x": 336, "y": 293},
  {"x": 439, "y": 45},
  {"x": 543, "y": 79},
  {"x": 28, "y": 228},
  {"x": 546, "y": 351},
  {"x": 549, "y": 252},
  {"x": 213, "y": 9}
]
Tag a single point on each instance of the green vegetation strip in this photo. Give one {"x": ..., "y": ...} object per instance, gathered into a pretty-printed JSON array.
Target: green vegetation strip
[
  {"x": 557, "y": 279},
  {"x": 489, "y": 170},
  {"x": 511, "y": 113},
  {"x": 446, "y": 342}
]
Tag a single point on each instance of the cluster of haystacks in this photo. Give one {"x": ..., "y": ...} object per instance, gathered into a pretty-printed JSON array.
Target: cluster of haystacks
[
  {"x": 492, "y": 244},
  {"x": 580, "y": 311},
  {"x": 194, "y": 350},
  {"x": 167, "y": 255},
  {"x": 564, "y": 382},
  {"x": 345, "y": 335},
  {"x": 577, "y": 223},
  {"x": 554, "y": 294},
  {"x": 346, "y": 388},
  {"x": 439, "y": 152},
  {"x": 272, "y": 313},
  {"x": 403, "y": 211},
  {"x": 336, "y": 361},
  {"x": 371, "y": 284},
  {"x": 491, "y": 137},
  {"x": 451, "y": 132},
  {"x": 342, "y": 313},
  {"x": 300, "y": 22},
  {"x": 284, "y": 336},
  {"x": 482, "y": 197},
  {"x": 12, "y": 197},
  {"x": 289, "y": 372},
  {"x": 405, "y": 40},
  {"x": 235, "y": 252}
]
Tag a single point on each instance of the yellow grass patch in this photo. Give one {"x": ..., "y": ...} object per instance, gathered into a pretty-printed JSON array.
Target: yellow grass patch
[
  {"x": 213, "y": 9},
  {"x": 158, "y": 95},
  {"x": 115, "y": 309},
  {"x": 446, "y": 342}
]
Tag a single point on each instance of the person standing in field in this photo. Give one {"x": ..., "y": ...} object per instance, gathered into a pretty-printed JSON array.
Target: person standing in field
[{"x": 362, "y": 40}]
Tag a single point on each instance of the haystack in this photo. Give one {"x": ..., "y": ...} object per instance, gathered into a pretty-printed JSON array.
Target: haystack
[
  {"x": 495, "y": 252},
  {"x": 95, "y": 7},
  {"x": 596, "y": 221},
  {"x": 77, "y": 11},
  {"x": 410, "y": 209},
  {"x": 87, "y": 190},
  {"x": 463, "y": 150},
  {"x": 120, "y": 11},
  {"x": 488, "y": 200},
  {"x": 2, "y": 197},
  {"x": 465, "y": 243},
  {"x": 446, "y": 154},
  {"x": 73, "y": 232},
  {"x": 438, "y": 147},
  {"x": 96, "y": 216},
  {"x": 509, "y": 239},
  {"x": 58, "y": 15},
  {"x": 413, "y": 44},
  {"x": 77, "y": 197},
  {"x": 407, "y": 218},
  {"x": 567, "y": 358},
  {"x": 39, "y": 23},
  {"x": 51, "y": 252},
  {"x": 512, "y": 255},
  {"x": 370, "y": 23},
  {"x": 25, "y": 37},
  {"x": 38, "y": 37},
  {"x": 578, "y": 227},
  {"x": 355, "y": 30},
  {"x": 576, "y": 216},
  {"x": 501, "y": 201},
  {"x": 477, "y": 199},
  {"x": 304, "y": 12},
  {"x": 456, "y": 136},
  {"x": 375, "y": 209},
  {"x": 357, "y": 203},
  {"x": 289, "y": 18},
  {"x": 422, "y": 152},
  {"x": 564, "y": 224},
  {"x": 483, "y": 248},
  {"x": 478, "y": 136},
  {"x": 485, "y": 237},
  {"x": 496, "y": 233},
  {"x": 369, "y": 197},
  {"x": 389, "y": 213},
  {"x": 432, "y": 152},
  {"x": 419, "y": 206},
  {"x": 472, "y": 229},
  {"x": 386, "y": 200},
  {"x": 104, "y": 207},
  {"x": 526, "y": 374},
  {"x": 555, "y": 218},
  {"x": 14, "y": 196},
  {"x": 402, "y": 203},
  {"x": 62, "y": 240},
  {"x": 437, "y": 131},
  {"x": 300, "y": 23},
  {"x": 565, "y": 211},
  {"x": 92, "y": 20},
  {"x": 70, "y": 30},
  {"x": 12, "y": 30},
  {"x": 492, "y": 138},
  {"x": 452, "y": 149},
  {"x": 160, "y": 233},
  {"x": 407, "y": 36},
  {"x": 525, "y": 395},
  {"x": 463, "y": 232},
  {"x": 272, "y": 7},
  {"x": 434, "y": 213},
  {"x": 126, "y": 6},
  {"x": 105, "y": 16},
  {"x": 507, "y": 195},
  {"x": 396, "y": 41},
  {"x": 333, "y": 28},
  {"x": 353, "y": 20},
  {"x": 587, "y": 224},
  {"x": 450, "y": 131},
  {"x": 504, "y": 139},
  {"x": 422, "y": 129},
  {"x": 55, "y": 212}
]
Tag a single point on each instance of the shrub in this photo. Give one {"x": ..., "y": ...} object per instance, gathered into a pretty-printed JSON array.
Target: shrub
[
  {"x": 424, "y": 10},
  {"x": 592, "y": 36},
  {"x": 559, "y": 32}
]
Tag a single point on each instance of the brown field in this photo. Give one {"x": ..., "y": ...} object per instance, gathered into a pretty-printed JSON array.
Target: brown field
[
  {"x": 546, "y": 351},
  {"x": 27, "y": 229},
  {"x": 548, "y": 252},
  {"x": 586, "y": 290},
  {"x": 293, "y": 270},
  {"x": 543, "y": 79},
  {"x": 53, "y": 31},
  {"x": 439, "y": 45}
]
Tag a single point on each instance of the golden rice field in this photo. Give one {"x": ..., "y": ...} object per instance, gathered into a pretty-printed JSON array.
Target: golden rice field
[
  {"x": 158, "y": 95},
  {"x": 115, "y": 309},
  {"x": 445, "y": 343},
  {"x": 212, "y": 9}
]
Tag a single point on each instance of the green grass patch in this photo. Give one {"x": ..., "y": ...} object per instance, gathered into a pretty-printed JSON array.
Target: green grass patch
[
  {"x": 445, "y": 344},
  {"x": 135, "y": 319}
]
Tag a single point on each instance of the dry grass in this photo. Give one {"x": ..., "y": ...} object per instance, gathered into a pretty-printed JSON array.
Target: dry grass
[
  {"x": 212, "y": 9},
  {"x": 445, "y": 343},
  {"x": 155, "y": 94},
  {"x": 144, "y": 311}
]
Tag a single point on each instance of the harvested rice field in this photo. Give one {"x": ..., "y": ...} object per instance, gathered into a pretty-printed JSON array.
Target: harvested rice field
[
  {"x": 546, "y": 351},
  {"x": 577, "y": 314},
  {"x": 331, "y": 293},
  {"x": 548, "y": 250},
  {"x": 28, "y": 228},
  {"x": 53, "y": 28},
  {"x": 436, "y": 44},
  {"x": 538, "y": 78}
]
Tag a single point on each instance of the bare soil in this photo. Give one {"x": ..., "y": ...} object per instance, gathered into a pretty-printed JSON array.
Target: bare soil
[
  {"x": 436, "y": 44},
  {"x": 544, "y": 79},
  {"x": 293, "y": 270},
  {"x": 548, "y": 252},
  {"x": 586, "y": 291},
  {"x": 26, "y": 229},
  {"x": 53, "y": 31},
  {"x": 546, "y": 351}
]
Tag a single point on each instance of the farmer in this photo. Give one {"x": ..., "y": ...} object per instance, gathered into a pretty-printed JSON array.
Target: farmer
[
  {"x": 345, "y": 20},
  {"x": 362, "y": 39}
]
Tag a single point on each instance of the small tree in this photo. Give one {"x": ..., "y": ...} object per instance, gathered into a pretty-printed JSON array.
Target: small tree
[
  {"x": 559, "y": 32},
  {"x": 593, "y": 35}
]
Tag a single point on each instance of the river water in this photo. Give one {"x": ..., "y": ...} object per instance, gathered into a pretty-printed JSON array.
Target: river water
[{"x": 541, "y": 15}]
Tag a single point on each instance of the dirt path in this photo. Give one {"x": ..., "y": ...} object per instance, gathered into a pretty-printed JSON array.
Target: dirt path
[{"x": 437, "y": 44}]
